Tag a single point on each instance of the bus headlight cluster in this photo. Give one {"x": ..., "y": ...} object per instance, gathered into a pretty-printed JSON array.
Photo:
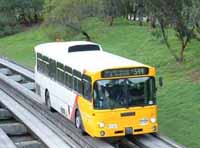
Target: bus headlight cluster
[
  {"x": 101, "y": 124},
  {"x": 153, "y": 120}
]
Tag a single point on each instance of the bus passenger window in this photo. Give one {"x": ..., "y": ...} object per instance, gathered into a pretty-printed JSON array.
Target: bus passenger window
[
  {"x": 77, "y": 81},
  {"x": 68, "y": 76},
  {"x": 60, "y": 73},
  {"x": 68, "y": 80},
  {"x": 52, "y": 69},
  {"x": 77, "y": 85}
]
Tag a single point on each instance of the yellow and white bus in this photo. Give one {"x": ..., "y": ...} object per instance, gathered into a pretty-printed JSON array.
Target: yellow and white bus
[{"x": 104, "y": 94}]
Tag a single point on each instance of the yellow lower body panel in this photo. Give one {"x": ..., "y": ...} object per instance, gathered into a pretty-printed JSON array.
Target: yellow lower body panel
[{"x": 121, "y": 122}]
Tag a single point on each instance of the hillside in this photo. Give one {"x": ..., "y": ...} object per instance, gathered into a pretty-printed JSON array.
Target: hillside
[{"x": 178, "y": 100}]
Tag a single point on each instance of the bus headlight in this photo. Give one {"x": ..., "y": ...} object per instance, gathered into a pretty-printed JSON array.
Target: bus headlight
[
  {"x": 153, "y": 120},
  {"x": 101, "y": 124}
]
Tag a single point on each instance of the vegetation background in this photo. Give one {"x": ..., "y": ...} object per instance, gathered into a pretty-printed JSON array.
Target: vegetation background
[{"x": 164, "y": 34}]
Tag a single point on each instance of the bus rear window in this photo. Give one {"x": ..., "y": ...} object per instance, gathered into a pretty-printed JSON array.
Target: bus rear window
[{"x": 79, "y": 48}]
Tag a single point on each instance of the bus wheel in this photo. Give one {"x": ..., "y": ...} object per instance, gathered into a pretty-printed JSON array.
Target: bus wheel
[
  {"x": 78, "y": 121},
  {"x": 47, "y": 101}
]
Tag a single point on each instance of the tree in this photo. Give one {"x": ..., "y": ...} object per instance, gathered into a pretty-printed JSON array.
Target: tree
[
  {"x": 29, "y": 11},
  {"x": 111, "y": 9},
  {"x": 14, "y": 13},
  {"x": 8, "y": 22},
  {"x": 129, "y": 9},
  {"x": 141, "y": 11},
  {"x": 177, "y": 15},
  {"x": 75, "y": 11},
  {"x": 196, "y": 17}
]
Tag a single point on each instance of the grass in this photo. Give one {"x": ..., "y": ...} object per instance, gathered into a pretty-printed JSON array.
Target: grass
[
  {"x": 178, "y": 100},
  {"x": 20, "y": 47}
]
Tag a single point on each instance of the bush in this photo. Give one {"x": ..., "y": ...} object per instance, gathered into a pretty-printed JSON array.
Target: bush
[{"x": 8, "y": 28}]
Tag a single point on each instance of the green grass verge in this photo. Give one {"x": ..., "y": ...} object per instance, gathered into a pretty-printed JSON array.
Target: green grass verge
[
  {"x": 20, "y": 47},
  {"x": 179, "y": 99}
]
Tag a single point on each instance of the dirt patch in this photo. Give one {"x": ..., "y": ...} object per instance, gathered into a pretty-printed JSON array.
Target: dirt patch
[{"x": 194, "y": 76}]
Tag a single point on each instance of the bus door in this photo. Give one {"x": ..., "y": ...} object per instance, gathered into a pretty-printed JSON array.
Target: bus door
[{"x": 85, "y": 102}]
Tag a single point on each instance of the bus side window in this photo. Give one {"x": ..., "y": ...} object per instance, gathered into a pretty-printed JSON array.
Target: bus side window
[
  {"x": 86, "y": 82},
  {"x": 45, "y": 65},
  {"x": 77, "y": 86},
  {"x": 42, "y": 64},
  {"x": 52, "y": 69},
  {"x": 60, "y": 73},
  {"x": 68, "y": 76}
]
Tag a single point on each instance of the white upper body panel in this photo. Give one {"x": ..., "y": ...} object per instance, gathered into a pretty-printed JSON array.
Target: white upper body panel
[{"x": 92, "y": 61}]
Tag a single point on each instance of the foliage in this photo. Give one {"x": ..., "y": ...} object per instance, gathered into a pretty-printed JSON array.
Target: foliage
[
  {"x": 16, "y": 13},
  {"x": 111, "y": 9},
  {"x": 8, "y": 22},
  {"x": 129, "y": 9},
  {"x": 75, "y": 12},
  {"x": 178, "y": 15},
  {"x": 29, "y": 12}
]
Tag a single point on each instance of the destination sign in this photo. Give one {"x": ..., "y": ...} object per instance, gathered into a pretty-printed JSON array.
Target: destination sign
[{"x": 125, "y": 72}]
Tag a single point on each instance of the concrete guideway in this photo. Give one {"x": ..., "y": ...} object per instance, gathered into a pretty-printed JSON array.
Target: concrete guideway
[
  {"x": 17, "y": 68},
  {"x": 5, "y": 114},
  {"x": 40, "y": 129},
  {"x": 150, "y": 142},
  {"x": 20, "y": 88},
  {"x": 168, "y": 140},
  {"x": 5, "y": 141},
  {"x": 14, "y": 128},
  {"x": 16, "y": 132},
  {"x": 154, "y": 141}
]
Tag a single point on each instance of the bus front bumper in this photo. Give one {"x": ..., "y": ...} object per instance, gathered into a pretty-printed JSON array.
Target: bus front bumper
[{"x": 129, "y": 130}]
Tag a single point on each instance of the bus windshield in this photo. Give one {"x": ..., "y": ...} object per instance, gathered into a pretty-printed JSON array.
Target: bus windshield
[{"x": 124, "y": 93}]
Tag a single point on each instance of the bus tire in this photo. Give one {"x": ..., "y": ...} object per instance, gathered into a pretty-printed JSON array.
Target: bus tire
[
  {"x": 78, "y": 122},
  {"x": 48, "y": 101}
]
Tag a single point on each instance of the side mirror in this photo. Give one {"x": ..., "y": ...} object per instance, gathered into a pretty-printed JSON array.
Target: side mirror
[{"x": 160, "y": 81}]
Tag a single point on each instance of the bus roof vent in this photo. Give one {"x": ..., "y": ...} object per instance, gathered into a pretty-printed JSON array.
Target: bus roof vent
[{"x": 86, "y": 47}]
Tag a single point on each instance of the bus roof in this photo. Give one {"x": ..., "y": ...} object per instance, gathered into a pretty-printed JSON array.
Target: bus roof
[
  {"x": 92, "y": 61},
  {"x": 62, "y": 45}
]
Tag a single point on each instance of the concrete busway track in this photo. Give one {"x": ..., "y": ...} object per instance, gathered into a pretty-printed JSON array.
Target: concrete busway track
[
  {"x": 14, "y": 134},
  {"x": 154, "y": 141},
  {"x": 27, "y": 77}
]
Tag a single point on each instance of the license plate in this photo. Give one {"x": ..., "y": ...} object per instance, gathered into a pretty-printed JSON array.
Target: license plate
[{"x": 112, "y": 126}]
